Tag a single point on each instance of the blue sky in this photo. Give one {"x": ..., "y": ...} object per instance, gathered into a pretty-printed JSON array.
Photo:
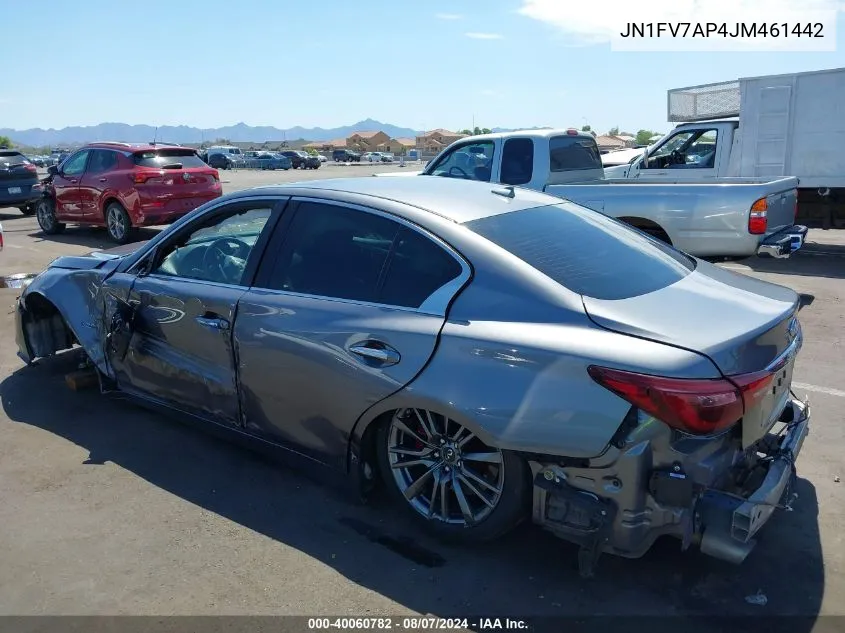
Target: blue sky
[{"x": 334, "y": 62}]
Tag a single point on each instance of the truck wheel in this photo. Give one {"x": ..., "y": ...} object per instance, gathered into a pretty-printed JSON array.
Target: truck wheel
[{"x": 45, "y": 213}]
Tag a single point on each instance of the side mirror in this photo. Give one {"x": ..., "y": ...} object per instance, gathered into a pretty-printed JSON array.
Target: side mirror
[
  {"x": 146, "y": 266},
  {"x": 53, "y": 170}
]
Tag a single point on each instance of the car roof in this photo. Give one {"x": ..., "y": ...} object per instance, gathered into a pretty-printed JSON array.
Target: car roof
[
  {"x": 455, "y": 199},
  {"x": 539, "y": 133}
]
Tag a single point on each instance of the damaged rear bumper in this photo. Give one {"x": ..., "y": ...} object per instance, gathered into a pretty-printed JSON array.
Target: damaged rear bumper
[
  {"x": 656, "y": 484},
  {"x": 784, "y": 243},
  {"x": 730, "y": 523}
]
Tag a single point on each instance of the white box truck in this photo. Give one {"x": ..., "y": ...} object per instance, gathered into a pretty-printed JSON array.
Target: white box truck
[{"x": 757, "y": 127}]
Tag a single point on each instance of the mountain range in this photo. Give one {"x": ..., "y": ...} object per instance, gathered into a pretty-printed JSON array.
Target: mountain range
[{"x": 240, "y": 132}]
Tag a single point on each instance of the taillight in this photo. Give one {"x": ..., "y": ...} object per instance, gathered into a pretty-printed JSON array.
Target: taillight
[
  {"x": 140, "y": 177},
  {"x": 695, "y": 406},
  {"x": 757, "y": 220},
  {"x": 31, "y": 167}
]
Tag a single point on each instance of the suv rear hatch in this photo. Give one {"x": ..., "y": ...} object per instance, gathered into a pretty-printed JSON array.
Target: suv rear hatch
[
  {"x": 17, "y": 175},
  {"x": 174, "y": 173},
  {"x": 638, "y": 286}
]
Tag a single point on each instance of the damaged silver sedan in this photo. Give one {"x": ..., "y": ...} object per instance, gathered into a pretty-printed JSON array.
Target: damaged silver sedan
[{"x": 489, "y": 355}]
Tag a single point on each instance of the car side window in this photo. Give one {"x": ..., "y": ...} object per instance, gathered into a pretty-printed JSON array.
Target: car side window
[
  {"x": 75, "y": 165},
  {"x": 473, "y": 161},
  {"x": 219, "y": 249},
  {"x": 334, "y": 251},
  {"x": 517, "y": 161},
  {"x": 102, "y": 160},
  {"x": 417, "y": 268}
]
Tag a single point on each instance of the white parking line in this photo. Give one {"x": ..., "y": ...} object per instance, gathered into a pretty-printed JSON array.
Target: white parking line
[{"x": 827, "y": 390}]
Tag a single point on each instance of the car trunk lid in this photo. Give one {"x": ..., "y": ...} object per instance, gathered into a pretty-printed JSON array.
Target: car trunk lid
[{"x": 747, "y": 327}]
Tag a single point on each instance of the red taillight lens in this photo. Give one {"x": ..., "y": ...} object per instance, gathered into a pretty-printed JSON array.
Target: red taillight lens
[
  {"x": 757, "y": 220},
  {"x": 31, "y": 167},
  {"x": 699, "y": 407},
  {"x": 140, "y": 177}
]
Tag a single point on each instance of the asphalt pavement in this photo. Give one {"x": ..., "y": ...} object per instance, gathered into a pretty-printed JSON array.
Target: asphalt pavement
[{"x": 107, "y": 508}]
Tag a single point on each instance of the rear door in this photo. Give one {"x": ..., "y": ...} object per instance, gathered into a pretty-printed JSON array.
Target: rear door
[
  {"x": 66, "y": 185},
  {"x": 347, "y": 313}
]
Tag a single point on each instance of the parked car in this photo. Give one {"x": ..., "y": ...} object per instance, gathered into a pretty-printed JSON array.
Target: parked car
[
  {"x": 739, "y": 219},
  {"x": 123, "y": 186},
  {"x": 387, "y": 157},
  {"x": 222, "y": 161},
  {"x": 322, "y": 158},
  {"x": 38, "y": 161},
  {"x": 271, "y": 160},
  {"x": 345, "y": 156},
  {"x": 19, "y": 183},
  {"x": 301, "y": 160},
  {"x": 456, "y": 348},
  {"x": 370, "y": 157}
]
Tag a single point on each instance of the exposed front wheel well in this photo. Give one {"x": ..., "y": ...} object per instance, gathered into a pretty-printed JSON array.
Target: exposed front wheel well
[
  {"x": 45, "y": 328},
  {"x": 648, "y": 226}
]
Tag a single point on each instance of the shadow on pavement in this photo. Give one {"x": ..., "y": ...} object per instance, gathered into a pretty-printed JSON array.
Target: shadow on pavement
[
  {"x": 826, "y": 261},
  {"x": 527, "y": 574},
  {"x": 95, "y": 238}
]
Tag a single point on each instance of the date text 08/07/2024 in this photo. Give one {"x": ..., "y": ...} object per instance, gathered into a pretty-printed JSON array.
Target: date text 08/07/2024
[
  {"x": 415, "y": 623},
  {"x": 722, "y": 29}
]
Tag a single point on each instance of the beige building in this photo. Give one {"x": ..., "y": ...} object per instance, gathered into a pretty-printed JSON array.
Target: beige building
[
  {"x": 367, "y": 141},
  {"x": 610, "y": 142},
  {"x": 436, "y": 140}
]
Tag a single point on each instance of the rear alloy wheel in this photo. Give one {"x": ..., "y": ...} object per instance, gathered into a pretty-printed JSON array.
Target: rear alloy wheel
[
  {"x": 45, "y": 213},
  {"x": 449, "y": 478},
  {"x": 118, "y": 223}
]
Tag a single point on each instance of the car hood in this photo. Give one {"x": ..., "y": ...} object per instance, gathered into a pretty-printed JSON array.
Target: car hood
[
  {"x": 740, "y": 323},
  {"x": 95, "y": 259}
]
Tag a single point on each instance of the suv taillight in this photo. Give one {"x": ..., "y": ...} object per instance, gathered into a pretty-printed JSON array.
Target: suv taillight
[
  {"x": 694, "y": 406},
  {"x": 31, "y": 167},
  {"x": 140, "y": 177},
  {"x": 757, "y": 220}
]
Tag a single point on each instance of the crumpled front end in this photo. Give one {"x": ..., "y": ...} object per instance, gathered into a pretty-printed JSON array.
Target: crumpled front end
[
  {"x": 654, "y": 481},
  {"x": 61, "y": 308}
]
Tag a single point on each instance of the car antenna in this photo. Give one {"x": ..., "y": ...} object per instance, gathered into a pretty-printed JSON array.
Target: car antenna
[
  {"x": 506, "y": 192},
  {"x": 155, "y": 136}
]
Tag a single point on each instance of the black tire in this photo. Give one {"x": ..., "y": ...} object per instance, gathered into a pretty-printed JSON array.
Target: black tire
[
  {"x": 28, "y": 209},
  {"x": 118, "y": 223},
  {"x": 512, "y": 508},
  {"x": 45, "y": 213}
]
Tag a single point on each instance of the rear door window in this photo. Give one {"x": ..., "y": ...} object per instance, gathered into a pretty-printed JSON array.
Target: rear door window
[
  {"x": 585, "y": 251},
  {"x": 571, "y": 153},
  {"x": 517, "y": 161}
]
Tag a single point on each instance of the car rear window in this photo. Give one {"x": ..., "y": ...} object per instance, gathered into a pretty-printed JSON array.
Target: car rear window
[
  {"x": 568, "y": 153},
  {"x": 12, "y": 158},
  {"x": 160, "y": 158},
  {"x": 586, "y": 251}
]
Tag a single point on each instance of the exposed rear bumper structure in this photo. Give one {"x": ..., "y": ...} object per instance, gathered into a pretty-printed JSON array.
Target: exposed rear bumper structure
[
  {"x": 783, "y": 243},
  {"x": 655, "y": 484}
]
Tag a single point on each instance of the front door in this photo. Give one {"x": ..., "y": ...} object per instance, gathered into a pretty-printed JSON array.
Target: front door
[
  {"x": 66, "y": 185},
  {"x": 95, "y": 181},
  {"x": 347, "y": 313},
  {"x": 183, "y": 309}
]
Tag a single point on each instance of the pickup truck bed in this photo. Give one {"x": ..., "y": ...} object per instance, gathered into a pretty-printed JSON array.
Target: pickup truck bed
[{"x": 703, "y": 219}]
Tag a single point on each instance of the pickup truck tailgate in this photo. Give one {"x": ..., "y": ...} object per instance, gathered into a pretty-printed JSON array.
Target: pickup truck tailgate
[{"x": 781, "y": 209}]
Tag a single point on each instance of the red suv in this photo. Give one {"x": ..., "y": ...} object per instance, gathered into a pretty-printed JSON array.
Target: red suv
[{"x": 122, "y": 186}]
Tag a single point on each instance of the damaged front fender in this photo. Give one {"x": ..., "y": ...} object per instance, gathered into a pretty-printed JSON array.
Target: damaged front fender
[{"x": 64, "y": 306}]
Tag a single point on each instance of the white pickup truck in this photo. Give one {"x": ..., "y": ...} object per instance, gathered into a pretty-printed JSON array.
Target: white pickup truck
[
  {"x": 741, "y": 219},
  {"x": 758, "y": 127}
]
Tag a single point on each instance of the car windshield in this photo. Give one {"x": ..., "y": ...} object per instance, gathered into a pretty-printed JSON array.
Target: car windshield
[
  {"x": 586, "y": 251},
  {"x": 159, "y": 158}
]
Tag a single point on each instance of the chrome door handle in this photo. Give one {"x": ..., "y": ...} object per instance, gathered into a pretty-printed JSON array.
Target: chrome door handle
[
  {"x": 103, "y": 179},
  {"x": 380, "y": 352},
  {"x": 213, "y": 323}
]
